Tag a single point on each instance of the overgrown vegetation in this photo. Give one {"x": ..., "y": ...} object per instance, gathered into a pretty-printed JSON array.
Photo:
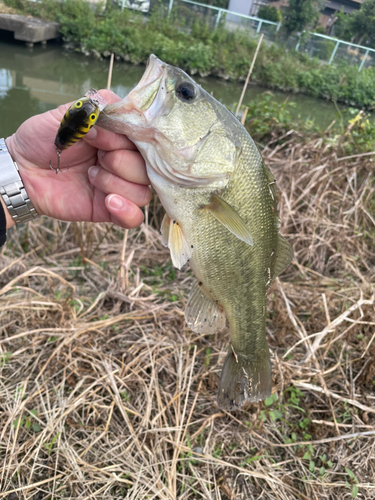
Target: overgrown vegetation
[
  {"x": 191, "y": 43},
  {"x": 105, "y": 392}
]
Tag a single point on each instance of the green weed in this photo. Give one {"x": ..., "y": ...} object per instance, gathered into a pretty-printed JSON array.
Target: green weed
[{"x": 28, "y": 422}]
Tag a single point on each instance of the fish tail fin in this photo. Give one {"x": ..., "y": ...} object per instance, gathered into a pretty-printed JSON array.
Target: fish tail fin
[{"x": 244, "y": 378}]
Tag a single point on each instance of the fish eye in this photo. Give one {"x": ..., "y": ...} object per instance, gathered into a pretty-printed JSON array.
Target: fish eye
[
  {"x": 186, "y": 91},
  {"x": 78, "y": 104}
]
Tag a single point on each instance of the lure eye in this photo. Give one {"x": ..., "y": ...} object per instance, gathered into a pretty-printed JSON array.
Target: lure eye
[
  {"x": 186, "y": 91},
  {"x": 92, "y": 117},
  {"x": 78, "y": 104}
]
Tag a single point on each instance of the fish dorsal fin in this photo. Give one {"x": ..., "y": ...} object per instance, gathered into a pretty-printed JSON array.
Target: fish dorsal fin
[
  {"x": 164, "y": 229},
  {"x": 283, "y": 257},
  {"x": 227, "y": 216},
  {"x": 202, "y": 314},
  {"x": 181, "y": 251}
]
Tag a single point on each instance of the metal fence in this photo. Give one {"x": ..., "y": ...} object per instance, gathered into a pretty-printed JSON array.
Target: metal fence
[{"x": 327, "y": 49}]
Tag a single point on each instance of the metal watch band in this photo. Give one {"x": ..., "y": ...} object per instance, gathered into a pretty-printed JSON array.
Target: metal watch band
[{"x": 12, "y": 190}]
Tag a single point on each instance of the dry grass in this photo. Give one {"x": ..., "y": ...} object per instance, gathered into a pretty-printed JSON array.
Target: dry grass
[{"x": 106, "y": 394}]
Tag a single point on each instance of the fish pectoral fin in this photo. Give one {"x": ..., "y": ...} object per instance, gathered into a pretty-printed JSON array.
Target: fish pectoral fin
[
  {"x": 164, "y": 229},
  {"x": 227, "y": 216},
  {"x": 181, "y": 251},
  {"x": 202, "y": 314},
  {"x": 283, "y": 257}
]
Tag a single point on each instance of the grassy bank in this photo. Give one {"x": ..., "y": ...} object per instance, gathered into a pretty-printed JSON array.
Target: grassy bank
[
  {"x": 196, "y": 48},
  {"x": 105, "y": 392}
]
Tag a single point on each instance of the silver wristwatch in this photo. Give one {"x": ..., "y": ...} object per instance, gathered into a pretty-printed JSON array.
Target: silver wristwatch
[{"x": 12, "y": 190}]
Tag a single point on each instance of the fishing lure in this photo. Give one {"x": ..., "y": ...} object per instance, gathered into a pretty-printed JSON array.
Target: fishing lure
[{"x": 77, "y": 121}]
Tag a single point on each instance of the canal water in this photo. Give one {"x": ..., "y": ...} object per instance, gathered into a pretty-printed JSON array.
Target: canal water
[{"x": 35, "y": 80}]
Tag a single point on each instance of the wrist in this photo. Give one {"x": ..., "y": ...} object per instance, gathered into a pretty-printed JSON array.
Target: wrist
[{"x": 14, "y": 198}]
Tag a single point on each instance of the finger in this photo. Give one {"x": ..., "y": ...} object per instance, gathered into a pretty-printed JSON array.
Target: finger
[
  {"x": 123, "y": 212},
  {"x": 126, "y": 164},
  {"x": 107, "y": 141},
  {"x": 112, "y": 184}
]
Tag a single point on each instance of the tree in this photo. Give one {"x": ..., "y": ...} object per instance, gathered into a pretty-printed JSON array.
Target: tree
[
  {"x": 359, "y": 27},
  {"x": 363, "y": 21},
  {"x": 269, "y": 13},
  {"x": 299, "y": 15},
  {"x": 343, "y": 28}
]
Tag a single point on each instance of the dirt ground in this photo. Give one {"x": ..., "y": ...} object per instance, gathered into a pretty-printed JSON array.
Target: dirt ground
[{"x": 106, "y": 394}]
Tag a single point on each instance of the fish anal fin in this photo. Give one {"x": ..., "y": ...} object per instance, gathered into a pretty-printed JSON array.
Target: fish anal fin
[
  {"x": 282, "y": 258},
  {"x": 164, "y": 229},
  {"x": 202, "y": 313},
  {"x": 244, "y": 378},
  {"x": 180, "y": 250},
  {"x": 228, "y": 216}
]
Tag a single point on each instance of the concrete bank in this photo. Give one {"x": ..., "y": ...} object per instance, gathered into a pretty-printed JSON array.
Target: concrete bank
[{"x": 29, "y": 29}]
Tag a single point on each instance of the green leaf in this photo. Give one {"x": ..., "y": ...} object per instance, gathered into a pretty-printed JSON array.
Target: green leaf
[
  {"x": 269, "y": 401},
  {"x": 275, "y": 415},
  {"x": 311, "y": 466},
  {"x": 307, "y": 456},
  {"x": 15, "y": 423},
  {"x": 354, "y": 491},
  {"x": 322, "y": 471},
  {"x": 36, "y": 427},
  {"x": 350, "y": 473}
]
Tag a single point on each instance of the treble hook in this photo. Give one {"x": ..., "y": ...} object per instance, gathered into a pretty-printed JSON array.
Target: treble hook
[{"x": 57, "y": 169}]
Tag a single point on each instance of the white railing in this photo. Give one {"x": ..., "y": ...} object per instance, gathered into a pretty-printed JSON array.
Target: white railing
[{"x": 358, "y": 53}]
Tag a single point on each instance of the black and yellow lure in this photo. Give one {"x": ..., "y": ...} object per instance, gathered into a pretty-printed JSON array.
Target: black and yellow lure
[{"x": 77, "y": 121}]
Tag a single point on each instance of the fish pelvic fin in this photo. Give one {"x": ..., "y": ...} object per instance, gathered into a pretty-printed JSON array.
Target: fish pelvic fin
[
  {"x": 203, "y": 314},
  {"x": 244, "y": 378},
  {"x": 164, "y": 229},
  {"x": 172, "y": 236}
]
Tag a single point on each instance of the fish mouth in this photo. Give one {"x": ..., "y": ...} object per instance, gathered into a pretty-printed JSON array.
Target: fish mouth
[{"x": 142, "y": 104}]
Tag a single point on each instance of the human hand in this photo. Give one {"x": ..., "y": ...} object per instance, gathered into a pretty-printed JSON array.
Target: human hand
[{"x": 112, "y": 190}]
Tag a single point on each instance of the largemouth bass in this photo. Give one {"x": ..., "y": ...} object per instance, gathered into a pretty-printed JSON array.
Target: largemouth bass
[{"x": 220, "y": 203}]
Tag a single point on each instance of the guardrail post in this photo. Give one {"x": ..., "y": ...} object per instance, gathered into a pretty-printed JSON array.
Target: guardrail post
[
  {"x": 122, "y": 4},
  {"x": 363, "y": 60},
  {"x": 170, "y": 7},
  {"x": 259, "y": 26},
  {"x": 334, "y": 52},
  {"x": 218, "y": 18}
]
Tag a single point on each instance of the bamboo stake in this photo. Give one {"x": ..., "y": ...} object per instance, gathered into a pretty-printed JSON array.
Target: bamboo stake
[
  {"x": 249, "y": 74},
  {"x": 110, "y": 71},
  {"x": 244, "y": 115}
]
